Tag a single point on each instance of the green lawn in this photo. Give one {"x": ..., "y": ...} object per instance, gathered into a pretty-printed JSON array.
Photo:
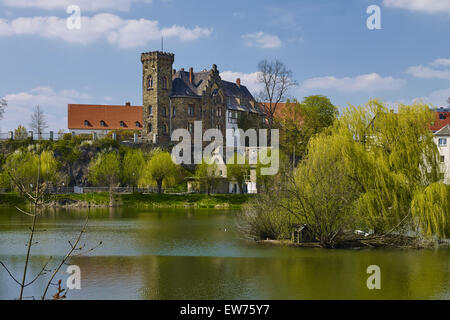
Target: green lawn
[{"x": 143, "y": 200}]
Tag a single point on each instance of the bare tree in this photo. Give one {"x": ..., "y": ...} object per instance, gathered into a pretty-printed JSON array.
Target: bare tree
[
  {"x": 276, "y": 80},
  {"x": 38, "y": 121},
  {"x": 3, "y": 105}
]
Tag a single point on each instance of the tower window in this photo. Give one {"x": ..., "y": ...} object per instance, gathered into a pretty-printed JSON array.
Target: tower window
[
  {"x": 149, "y": 82},
  {"x": 149, "y": 128},
  {"x": 164, "y": 82},
  {"x": 164, "y": 128},
  {"x": 174, "y": 112},
  {"x": 164, "y": 111},
  {"x": 150, "y": 110},
  {"x": 102, "y": 123},
  {"x": 219, "y": 111}
]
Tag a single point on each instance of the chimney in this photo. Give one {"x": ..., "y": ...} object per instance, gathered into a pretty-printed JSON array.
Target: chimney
[
  {"x": 128, "y": 104},
  {"x": 238, "y": 82},
  {"x": 191, "y": 75},
  {"x": 182, "y": 69}
]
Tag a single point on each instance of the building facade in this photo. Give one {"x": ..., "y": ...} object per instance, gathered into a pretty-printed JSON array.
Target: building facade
[{"x": 176, "y": 99}]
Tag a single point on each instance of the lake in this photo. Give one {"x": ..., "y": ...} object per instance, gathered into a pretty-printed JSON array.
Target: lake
[{"x": 197, "y": 254}]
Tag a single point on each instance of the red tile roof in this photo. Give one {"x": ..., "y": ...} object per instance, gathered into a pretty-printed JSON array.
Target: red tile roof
[
  {"x": 283, "y": 111},
  {"x": 111, "y": 115},
  {"x": 439, "y": 123}
]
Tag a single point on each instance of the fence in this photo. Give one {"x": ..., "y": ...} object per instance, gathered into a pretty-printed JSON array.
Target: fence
[
  {"x": 123, "y": 190},
  {"x": 52, "y": 136}
]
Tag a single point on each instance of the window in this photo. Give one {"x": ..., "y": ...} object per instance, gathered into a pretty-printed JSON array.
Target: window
[
  {"x": 232, "y": 117},
  {"x": 164, "y": 128},
  {"x": 441, "y": 116},
  {"x": 164, "y": 111},
  {"x": 191, "y": 110},
  {"x": 219, "y": 112},
  {"x": 219, "y": 127},
  {"x": 442, "y": 158},
  {"x": 150, "y": 110},
  {"x": 174, "y": 112},
  {"x": 102, "y": 123},
  {"x": 190, "y": 127},
  {"x": 138, "y": 124},
  {"x": 149, "y": 82},
  {"x": 164, "y": 82},
  {"x": 150, "y": 127},
  {"x": 442, "y": 142},
  {"x": 86, "y": 123},
  {"x": 122, "y": 124}
]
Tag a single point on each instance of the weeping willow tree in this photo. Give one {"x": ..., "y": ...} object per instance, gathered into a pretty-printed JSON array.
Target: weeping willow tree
[{"x": 391, "y": 156}]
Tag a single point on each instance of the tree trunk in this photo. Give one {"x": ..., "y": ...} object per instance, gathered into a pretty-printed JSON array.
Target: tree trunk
[
  {"x": 111, "y": 200},
  {"x": 159, "y": 182}
]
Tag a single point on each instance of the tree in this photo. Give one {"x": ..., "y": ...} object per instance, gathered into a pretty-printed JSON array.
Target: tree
[
  {"x": 3, "y": 105},
  {"x": 238, "y": 168},
  {"x": 320, "y": 193},
  {"x": 299, "y": 121},
  {"x": 20, "y": 133},
  {"x": 276, "y": 80},
  {"x": 132, "y": 165},
  {"x": 160, "y": 169},
  {"x": 105, "y": 169},
  {"x": 38, "y": 122},
  {"x": 207, "y": 174}
]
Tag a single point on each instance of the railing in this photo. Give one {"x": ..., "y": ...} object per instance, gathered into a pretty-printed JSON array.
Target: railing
[
  {"x": 124, "y": 190},
  {"x": 52, "y": 136}
]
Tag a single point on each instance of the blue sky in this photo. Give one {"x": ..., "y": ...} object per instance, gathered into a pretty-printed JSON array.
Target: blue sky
[{"x": 326, "y": 43}]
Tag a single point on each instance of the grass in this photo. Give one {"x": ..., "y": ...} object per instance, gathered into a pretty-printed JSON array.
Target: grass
[{"x": 143, "y": 200}]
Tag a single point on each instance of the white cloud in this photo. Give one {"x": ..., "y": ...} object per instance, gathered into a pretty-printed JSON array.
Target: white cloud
[
  {"x": 362, "y": 83},
  {"x": 437, "y": 98},
  {"x": 441, "y": 62},
  {"x": 250, "y": 80},
  {"x": 104, "y": 26},
  {"x": 428, "y": 73},
  {"x": 262, "y": 40},
  {"x": 85, "y": 5},
  {"x": 54, "y": 103},
  {"x": 427, "y": 6}
]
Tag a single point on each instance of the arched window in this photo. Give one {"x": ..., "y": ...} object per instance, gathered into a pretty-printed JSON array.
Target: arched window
[
  {"x": 102, "y": 123},
  {"x": 150, "y": 110},
  {"x": 149, "y": 128},
  {"x": 149, "y": 82},
  {"x": 164, "y": 82},
  {"x": 86, "y": 123},
  {"x": 164, "y": 128},
  {"x": 164, "y": 111},
  {"x": 122, "y": 124},
  {"x": 174, "y": 112}
]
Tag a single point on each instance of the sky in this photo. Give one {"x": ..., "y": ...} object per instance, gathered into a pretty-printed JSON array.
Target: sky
[{"x": 45, "y": 61}]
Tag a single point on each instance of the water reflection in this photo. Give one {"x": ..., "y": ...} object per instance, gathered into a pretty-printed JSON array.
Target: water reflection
[{"x": 195, "y": 254}]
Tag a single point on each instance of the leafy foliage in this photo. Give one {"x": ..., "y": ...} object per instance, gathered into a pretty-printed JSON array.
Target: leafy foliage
[{"x": 159, "y": 170}]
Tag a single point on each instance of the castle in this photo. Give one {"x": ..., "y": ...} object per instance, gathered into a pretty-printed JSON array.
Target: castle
[
  {"x": 171, "y": 100},
  {"x": 176, "y": 99}
]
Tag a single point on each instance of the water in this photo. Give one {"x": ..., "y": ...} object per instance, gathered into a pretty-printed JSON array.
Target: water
[{"x": 196, "y": 254}]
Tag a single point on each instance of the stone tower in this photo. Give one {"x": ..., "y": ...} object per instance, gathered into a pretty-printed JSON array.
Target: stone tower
[{"x": 157, "y": 86}]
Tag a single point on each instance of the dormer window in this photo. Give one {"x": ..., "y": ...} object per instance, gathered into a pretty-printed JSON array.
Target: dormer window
[
  {"x": 86, "y": 123},
  {"x": 441, "y": 116},
  {"x": 122, "y": 124},
  {"x": 102, "y": 123},
  {"x": 138, "y": 124}
]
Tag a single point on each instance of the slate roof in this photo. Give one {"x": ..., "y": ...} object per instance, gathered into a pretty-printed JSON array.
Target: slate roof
[{"x": 182, "y": 87}]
